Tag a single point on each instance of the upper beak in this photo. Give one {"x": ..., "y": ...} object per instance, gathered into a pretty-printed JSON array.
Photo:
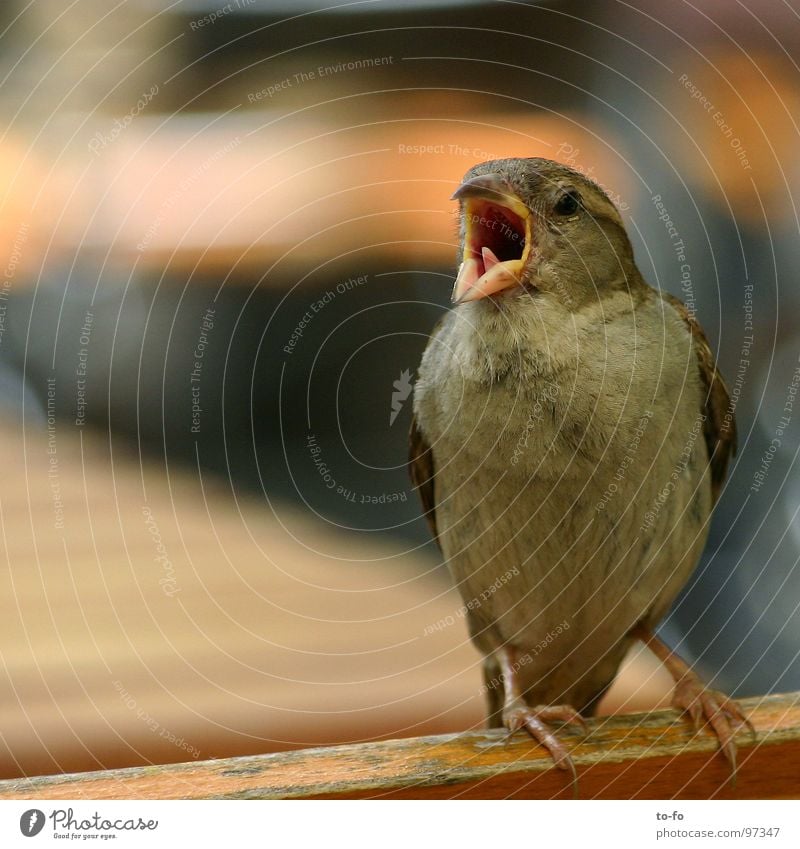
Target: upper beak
[
  {"x": 490, "y": 186},
  {"x": 497, "y": 222}
]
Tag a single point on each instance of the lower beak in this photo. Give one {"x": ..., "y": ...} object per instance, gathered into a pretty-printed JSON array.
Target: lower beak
[{"x": 497, "y": 240}]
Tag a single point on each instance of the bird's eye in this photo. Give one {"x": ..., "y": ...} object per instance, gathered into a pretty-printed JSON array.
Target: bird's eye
[{"x": 568, "y": 203}]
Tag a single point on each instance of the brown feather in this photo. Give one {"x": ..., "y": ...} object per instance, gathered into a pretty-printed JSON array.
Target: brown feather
[
  {"x": 720, "y": 435},
  {"x": 420, "y": 467}
]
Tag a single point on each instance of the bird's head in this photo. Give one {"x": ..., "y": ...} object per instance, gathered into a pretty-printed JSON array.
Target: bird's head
[{"x": 533, "y": 226}]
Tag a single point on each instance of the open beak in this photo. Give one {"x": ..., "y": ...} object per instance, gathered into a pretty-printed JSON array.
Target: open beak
[{"x": 497, "y": 241}]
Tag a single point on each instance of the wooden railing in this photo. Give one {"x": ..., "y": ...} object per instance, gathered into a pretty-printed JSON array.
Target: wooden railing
[{"x": 644, "y": 756}]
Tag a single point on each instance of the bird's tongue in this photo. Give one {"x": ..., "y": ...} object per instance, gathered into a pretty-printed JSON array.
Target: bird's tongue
[
  {"x": 478, "y": 278},
  {"x": 489, "y": 259}
]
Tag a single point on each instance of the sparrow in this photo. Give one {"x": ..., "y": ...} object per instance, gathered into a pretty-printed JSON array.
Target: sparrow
[{"x": 569, "y": 439}]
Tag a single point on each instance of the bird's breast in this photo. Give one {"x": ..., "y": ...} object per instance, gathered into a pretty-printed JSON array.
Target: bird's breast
[{"x": 575, "y": 499}]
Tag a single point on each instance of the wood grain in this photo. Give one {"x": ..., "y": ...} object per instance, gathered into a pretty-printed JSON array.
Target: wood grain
[{"x": 644, "y": 756}]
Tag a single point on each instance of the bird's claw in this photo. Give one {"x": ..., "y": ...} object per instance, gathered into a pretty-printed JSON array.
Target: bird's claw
[
  {"x": 564, "y": 714},
  {"x": 722, "y": 713},
  {"x": 535, "y": 721}
]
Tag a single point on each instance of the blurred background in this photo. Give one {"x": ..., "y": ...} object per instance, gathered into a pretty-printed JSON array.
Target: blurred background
[{"x": 226, "y": 235}]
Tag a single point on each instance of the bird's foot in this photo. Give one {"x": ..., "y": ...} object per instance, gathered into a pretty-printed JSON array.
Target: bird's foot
[
  {"x": 536, "y": 721},
  {"x": 722, "y": 713}
]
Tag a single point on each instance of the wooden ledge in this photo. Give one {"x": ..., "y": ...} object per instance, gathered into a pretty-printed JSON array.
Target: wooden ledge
[{"x": 646, "y": 756}]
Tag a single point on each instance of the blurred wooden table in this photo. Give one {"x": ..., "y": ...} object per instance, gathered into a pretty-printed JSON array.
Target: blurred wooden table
[{"x": 147, "y": 616}]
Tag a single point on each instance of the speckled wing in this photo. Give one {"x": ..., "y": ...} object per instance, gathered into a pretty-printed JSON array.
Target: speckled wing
[
  {"x": 421, "y": 469},
  {"x": 720, "y": 434}
]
